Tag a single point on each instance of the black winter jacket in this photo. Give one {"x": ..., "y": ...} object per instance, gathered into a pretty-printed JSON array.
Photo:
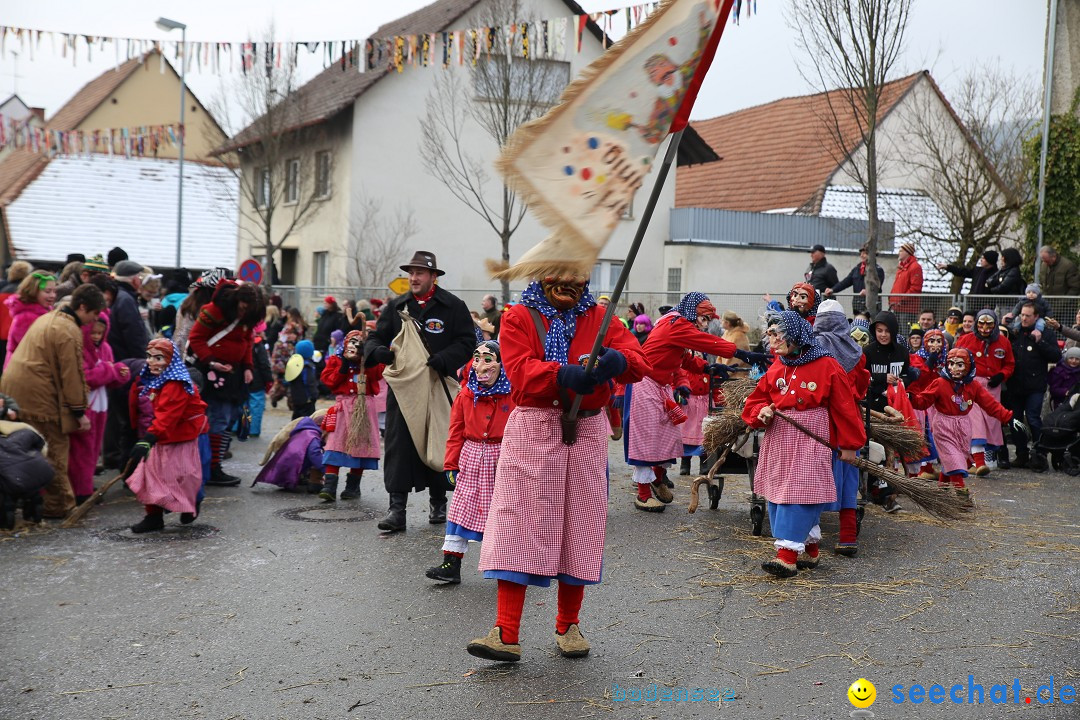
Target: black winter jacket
[
  {"x": 883, "y": 360},
  {"x": 822, "y": 275},
  {"x": 979, "y": 276},
  {"x": 1032, "y": 358},
  {"x": 856, "y": 280},
  {"x": 128, "y": 336},
  {"x": 447, "y": 329}
]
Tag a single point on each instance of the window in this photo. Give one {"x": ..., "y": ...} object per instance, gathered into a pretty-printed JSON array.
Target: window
[
  {"x": 604, "y": 276},
  {"x": 674, "y": 279},
  {"x": 262, "y": 198},
  {"x": 322, "y": 174},
  {"x": 319, "y": 263},
  {"x": 528, "y": 81},
  {"x": 292, "y": 180}
]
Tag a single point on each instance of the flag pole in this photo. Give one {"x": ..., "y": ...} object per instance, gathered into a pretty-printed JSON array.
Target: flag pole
[{"x": 646, "y": 216}]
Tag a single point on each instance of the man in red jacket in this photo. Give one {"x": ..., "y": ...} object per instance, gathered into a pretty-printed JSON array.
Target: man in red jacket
[
  {"x": 221, "y": 342},
  {"x": 906, "y": 286}
]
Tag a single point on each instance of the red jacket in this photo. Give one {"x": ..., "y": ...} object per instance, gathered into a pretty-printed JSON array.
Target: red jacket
[
  {"x": 665, "y": 348},
  {"x": 941, "y": 396},
  {"x": 346, "y": 383},
  {"x": 233, "y": 349},
  {"x": 178, "y": 415},
  {"x": 692, "y": 375},
  {"x": 990, "y": 358},
  {"x": 908, "y": 281},
  {"x": 483, "y": 421},
  {"x": 533, "y": 379},
  {"x": 859, "y": 378},
  {"x": 818, "y": 383}
]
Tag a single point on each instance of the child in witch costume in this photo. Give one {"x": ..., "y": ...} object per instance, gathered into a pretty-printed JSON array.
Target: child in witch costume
[
  {"x": 169, "y": 474},
  {"x": 794, "y": 471},
  {"x": 477, "y": 421},
  {"x": 994, "y": 364},
  {"x": 353, "y": 432},
  {"x": 833, "y": 332},
  {"x": 952, "y": 395},
  {"x": 930, "y": 361},
  {"x": 803, "y": 298}
]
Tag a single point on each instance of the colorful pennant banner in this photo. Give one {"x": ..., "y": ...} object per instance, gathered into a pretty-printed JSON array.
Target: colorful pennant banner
[{"x": 142, "y": 141}]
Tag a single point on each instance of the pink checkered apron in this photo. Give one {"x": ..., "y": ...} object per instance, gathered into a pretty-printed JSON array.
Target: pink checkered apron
[
  {"x": 952, "y": 436},
  {"x": 475, "y": 484},
  {"x": 379, "y": 401},
  {"x": 169, "y": 477},
  {"x": 792, "y": 468},
  {"x": 335, "y": 441},
  {"x": 653, "y": 439},
  {"x": 696, "y": 410},
  {"x": 549, "y": 508},
  {"x": 982, "y": 425}
]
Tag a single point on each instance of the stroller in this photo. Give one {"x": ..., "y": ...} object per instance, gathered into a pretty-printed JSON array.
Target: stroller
[
  {"x": 24, "y": 471},
  {"x": 1060, "y": 437}
]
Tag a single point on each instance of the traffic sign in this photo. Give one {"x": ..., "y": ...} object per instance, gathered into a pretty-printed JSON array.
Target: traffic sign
[
  {"x": 399, "y": 286},
  {"x": 250, "y": 271}
]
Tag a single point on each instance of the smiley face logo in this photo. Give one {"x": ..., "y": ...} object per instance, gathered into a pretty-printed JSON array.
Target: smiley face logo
[{"x": 862, "y": 693}]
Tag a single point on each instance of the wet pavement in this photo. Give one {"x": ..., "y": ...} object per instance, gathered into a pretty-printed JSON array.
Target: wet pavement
[{"x": 272, "y": 605}]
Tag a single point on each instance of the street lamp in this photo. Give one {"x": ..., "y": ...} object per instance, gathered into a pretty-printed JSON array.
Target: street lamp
[{"x": 168, "y": 25}]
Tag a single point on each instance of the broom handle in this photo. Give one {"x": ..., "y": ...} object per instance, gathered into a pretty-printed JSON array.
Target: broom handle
[
  {"x": 78, "y": 513},
  {"x": 859, "y": 462}
]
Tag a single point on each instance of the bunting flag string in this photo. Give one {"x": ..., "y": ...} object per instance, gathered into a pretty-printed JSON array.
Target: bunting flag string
[
  {"x": 537, "y": 39},
  {"x": 141, "y": 141}
]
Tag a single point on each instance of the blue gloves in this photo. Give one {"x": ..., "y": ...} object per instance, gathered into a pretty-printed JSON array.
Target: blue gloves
[
  {"x": 718, "y": 370},
  {"x": 609, "y": 364},
  {"x": 914, "y": 373},
  {"x": 682, "y": 394},
  {"x": 451, "y": 478},
  {"x": 142, "y": 448},
  {"x": 753, "y": 358},
  {"x": 574, "y": 377}
]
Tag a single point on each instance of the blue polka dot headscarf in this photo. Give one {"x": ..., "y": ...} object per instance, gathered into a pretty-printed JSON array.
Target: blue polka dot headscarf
[
  {"x": 688, "y": 306},
  {"x": 175, "y": 370},
  {"x": 799, "y": 332}
]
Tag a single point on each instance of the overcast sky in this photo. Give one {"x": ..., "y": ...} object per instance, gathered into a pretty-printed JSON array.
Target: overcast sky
[{"x": 757, "y": 61}]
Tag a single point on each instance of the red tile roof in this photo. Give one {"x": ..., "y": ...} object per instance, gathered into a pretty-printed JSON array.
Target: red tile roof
[
  {"x": 17, "y": 171},
  {"x": 775, "y": 156},
  {"x": 91, "y": 95}
]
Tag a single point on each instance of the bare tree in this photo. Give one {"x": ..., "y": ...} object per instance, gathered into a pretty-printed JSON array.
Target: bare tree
[
  {"x": 276, "y": 169},
  {"x": 975, "y": 174},
  {"x": 853, "y": 46},
  {"x": 377, "y": 241},
  {"x": 494, "y": 96}
]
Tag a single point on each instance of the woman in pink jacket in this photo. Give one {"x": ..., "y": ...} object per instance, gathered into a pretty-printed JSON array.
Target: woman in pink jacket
[
  {"x": 34, "y": 298},
  {"x": 101, "y": 373}
]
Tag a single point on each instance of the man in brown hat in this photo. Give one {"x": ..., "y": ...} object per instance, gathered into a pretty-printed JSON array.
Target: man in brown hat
[{"x": 446, "y": 328}]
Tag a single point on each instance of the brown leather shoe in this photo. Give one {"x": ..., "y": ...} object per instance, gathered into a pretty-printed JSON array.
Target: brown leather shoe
[
  {"x": 572, "y": 644},
  {"x": 491, "y": 647}
]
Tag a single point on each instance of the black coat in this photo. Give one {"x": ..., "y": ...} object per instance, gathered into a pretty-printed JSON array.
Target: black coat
[
  {"x": 1032, "y": 359},
  {"x": 821, "y": 275},
  {"x": 128, "y": 336},
  {"x": 327, "y": 323},
  {"x": 23, "y": 469},
  {"x": 856, "y": 280},
  {"x": 1006, "y": 282},
  {"x": 448, "y": 334},
  {"x": 883, "y": 360},
  {"x": 979, "y": 276}
]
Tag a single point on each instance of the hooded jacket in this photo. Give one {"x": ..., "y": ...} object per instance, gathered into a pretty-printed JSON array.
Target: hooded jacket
[
  {"x": 23, "y": 315},
  {"x": 883, "y": 360},
  {"x": 100, "y": 368}
]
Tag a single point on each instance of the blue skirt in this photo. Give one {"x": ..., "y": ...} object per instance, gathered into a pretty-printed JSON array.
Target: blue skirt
[
  {"x": 539, "y": 580},
  {"x": 340, "y": 459},
  {"x": 846, "y": 477},
  {"x": 794, "y": 522},
  {"x": 452, "y": 528}
]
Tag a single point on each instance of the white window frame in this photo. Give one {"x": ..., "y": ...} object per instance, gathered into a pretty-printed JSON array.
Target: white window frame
[
  {"x": 320, "y": 266},
  {"x": 605, "y": 274},
  {"x": 323, "y": 175},
  {"x": 292, "y": 181},
  {"x": 262, "y": 187}
]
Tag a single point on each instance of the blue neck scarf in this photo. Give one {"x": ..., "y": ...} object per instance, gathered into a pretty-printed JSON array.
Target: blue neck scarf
[
  {"x": 500, "y": 387},
  {"x": 563, "y": 324},
  {"x": 175, "y": 370},
  {"x": 800, "y": 332}
]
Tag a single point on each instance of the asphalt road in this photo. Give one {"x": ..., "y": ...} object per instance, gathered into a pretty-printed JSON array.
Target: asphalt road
[{"x": 271, "y": 606}]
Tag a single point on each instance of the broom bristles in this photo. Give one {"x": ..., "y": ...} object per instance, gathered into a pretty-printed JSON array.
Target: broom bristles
[{"x": 939, "y": 501}]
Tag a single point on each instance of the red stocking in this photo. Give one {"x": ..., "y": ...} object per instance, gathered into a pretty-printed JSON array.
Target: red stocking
[
  {"x": 570, "y": 597},
  {"x": 508, "y": 606},
  {"x": 847, "y": 525}
]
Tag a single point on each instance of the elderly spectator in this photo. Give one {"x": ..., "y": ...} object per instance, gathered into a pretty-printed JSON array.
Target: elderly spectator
[
  {"x": 820, "y": 273},
  {"x": 46, "y": 379},
  {"x": 1026, "y": 389},
  {"x": 856, "y": 280},
  {"x": 447, "y": 331},
  {"x": 1007, "y": 280},
  {"x": 489, "y": 309},
  {"x": 1058, "y": 274},
  {"x": 907, "y": 285},
  {"x": 984, "y": 268}
]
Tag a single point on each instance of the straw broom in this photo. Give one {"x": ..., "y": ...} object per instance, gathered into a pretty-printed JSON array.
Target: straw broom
[
  {"x": 78, "y": 513},
  {"x": 938, "y": 501}
]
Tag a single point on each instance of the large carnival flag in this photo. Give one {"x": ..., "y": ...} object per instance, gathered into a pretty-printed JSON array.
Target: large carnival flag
[{"x": 579, "y": 166}]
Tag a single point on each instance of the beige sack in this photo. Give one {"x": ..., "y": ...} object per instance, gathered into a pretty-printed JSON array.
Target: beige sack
[{"x": 420, "y": 394}]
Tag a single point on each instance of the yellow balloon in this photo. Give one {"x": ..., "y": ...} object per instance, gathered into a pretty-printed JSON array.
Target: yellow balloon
[{"x": 862, "y": 693}]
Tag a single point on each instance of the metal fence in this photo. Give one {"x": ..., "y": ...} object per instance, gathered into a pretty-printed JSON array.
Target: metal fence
[{"x": 749, "y": 306}]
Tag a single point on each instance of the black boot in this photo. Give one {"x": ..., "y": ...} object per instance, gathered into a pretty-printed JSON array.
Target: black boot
[
  {"x": 1021, "y": 460},
  {"x": 1003, "y": 458},
  {"x": 352, "y": 487},
  {"x": 701, "y": 469},
  {"x": 395, "y": 518},
  {"x": 220, "y": 478},
  {"x": 448, "y": 572},
  {"x": 329, "y": 488},
  {"x": 149, "y": 523},
  {"x": 437, "y": 511},
  {"x": 685, "y": 468},
  {"x": 188, "y": 518}
]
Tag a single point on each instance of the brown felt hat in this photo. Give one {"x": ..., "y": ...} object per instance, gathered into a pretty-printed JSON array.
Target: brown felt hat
[{"x": 423, "y": 260}]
